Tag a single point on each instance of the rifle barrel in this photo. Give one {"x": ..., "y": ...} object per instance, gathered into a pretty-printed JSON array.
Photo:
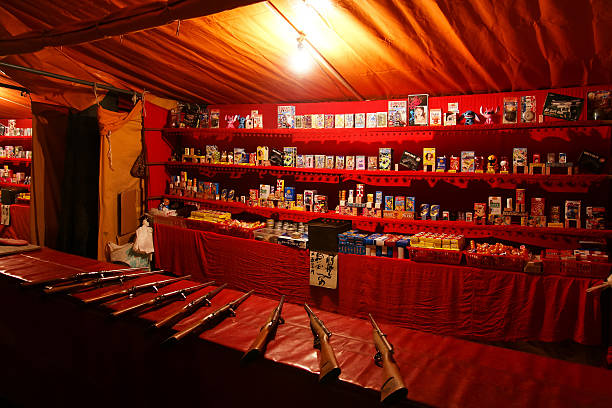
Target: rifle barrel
[
  {"x": 136, "y": 288},
  {"x": 220, "y": 313},
  {"x": 382, "y": 335},
  {"x": 190, "y": 306},
  {"x": 266, "y": 333},
  {"x": 373, "y": 322},
  {"x": 161, "y": 299},
  {"x": 316, "y": 319},
  {"x": 329, "y": 369},
  {"x": 241, "y": 299},
  {"x": 77, "y": 277},
  {"x": 393, "y": 387},
  {"x": 98, "y": 281}
]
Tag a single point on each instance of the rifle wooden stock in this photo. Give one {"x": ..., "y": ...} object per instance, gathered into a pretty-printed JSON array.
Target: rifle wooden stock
[
  {"x": 97, "y": 282},
  {"x": 329, "y": 369},
  {"x": 161, "y": 299},
  {"x": 134, "y": 289},
  {"x": 212, "y": 318},
  {"x": 393, "y": 388},
  {"x": 190, "y": 307},
  {"x": 81, "y": 276},
  {"x": 266, "y": 333}
]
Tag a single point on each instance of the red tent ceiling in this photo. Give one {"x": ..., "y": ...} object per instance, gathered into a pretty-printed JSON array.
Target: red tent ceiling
[
  {"x": 374, "y": 49},
  {"x": 14, "y": 104}
]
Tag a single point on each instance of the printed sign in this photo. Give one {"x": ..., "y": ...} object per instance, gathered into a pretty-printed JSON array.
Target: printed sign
[{"x": 323, "y": 270}]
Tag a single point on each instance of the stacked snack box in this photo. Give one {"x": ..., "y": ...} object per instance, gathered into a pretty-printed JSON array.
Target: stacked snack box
[
  {"x": 382, "y": 245},
  {"x": 435, "y": 240},
  {"x": 211, "y": 216}
]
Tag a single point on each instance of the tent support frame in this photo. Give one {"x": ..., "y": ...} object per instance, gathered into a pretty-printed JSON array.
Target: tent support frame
[{"x": 67, "y": 78}]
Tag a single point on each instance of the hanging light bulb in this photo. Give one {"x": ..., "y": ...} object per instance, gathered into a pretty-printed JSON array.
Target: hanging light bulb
[{"x": 301, "y": 62}]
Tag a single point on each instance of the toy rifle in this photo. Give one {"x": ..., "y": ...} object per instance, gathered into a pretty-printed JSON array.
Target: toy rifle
[
  {"x": 190, "y": 307},
  {"x": 266, "y": 333},
  {"x": 393, "y": 388},
  {"x": 215, "y": 317},
  {"x": 97, "y": 282},
  {"x": 77, "y": 277},
  {"x": 135, "y": 289},
  {"x": 161, "y": 299},
  {"x": 328, "y": 365}
]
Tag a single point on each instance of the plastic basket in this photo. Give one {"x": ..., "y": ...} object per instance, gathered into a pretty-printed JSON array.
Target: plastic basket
[
  {"x": 503, "y": 262},
  {"x": 581, "y": 269},
  {"x": 219, "y": 228},
  {"x": 441, "y": 256}
]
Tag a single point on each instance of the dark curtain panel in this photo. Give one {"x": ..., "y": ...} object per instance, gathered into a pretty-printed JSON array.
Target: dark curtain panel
[
  {"x": 78, "y": 226},
  {"x": 50, "y": 124}
]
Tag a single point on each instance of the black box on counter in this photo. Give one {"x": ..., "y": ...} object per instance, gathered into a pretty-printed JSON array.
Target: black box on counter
[
  {"x": 323, "y": 233},
  {"x": 9, "y": 194}
]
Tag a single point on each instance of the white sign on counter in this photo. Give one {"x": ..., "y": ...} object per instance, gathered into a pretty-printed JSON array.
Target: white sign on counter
[{"x": 323, "y": 270}]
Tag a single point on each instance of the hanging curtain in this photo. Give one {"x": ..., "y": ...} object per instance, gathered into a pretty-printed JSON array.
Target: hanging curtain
[
  {"x": 78, "y": 224},
  {"x": 120, "y": 145},
  {"x": 50, "y": 125}
]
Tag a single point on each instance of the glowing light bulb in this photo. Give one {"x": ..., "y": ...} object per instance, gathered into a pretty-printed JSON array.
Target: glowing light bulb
[{"x": 301, "y": 62}]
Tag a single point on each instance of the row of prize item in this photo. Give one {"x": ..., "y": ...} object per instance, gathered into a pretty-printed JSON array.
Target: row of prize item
[
  {"x": 11, "y": 129},
  {"x": 9, "y": 176},
  {"x": 16, "y": 152},
  {"x": 416, "y": 111},
  {"x": 468, "y": 161},
  {"x": 288, "y": 157},
  {"x": 413, "y": 111},
  {"x": 355, "y": 202}
]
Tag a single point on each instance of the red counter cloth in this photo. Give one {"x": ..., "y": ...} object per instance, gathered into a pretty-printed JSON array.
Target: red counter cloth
[
  {"x": 443, "y": 299},
  {"x": 438, "y": 371},
  {"x": 20, "y": 223}
]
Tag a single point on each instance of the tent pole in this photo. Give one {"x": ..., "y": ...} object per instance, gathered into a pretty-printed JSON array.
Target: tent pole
[
  {"x": 67, "y": 78},
  {"x": 17, "y": 88}
]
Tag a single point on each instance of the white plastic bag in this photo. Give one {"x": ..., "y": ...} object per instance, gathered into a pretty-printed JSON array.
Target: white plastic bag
[
  {"x": 126, "y": 254},
  {"x": 144, "y": 239}
]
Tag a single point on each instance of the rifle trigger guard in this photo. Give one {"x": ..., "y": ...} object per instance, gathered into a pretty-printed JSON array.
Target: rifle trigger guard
[
  {"x": 183, "y": 295},
  {"x": 232, "y": 312},
  {"x": 316, "y": 342},
  {"x": 155, "y": 289},
  {"x": 378, "y": 359},
  {"x": 206, "y": 302},
  {"x": 281, "y": 320}
]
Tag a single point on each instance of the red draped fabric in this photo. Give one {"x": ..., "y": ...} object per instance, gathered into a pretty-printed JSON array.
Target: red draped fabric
[
  {"x": 453, "y": 300},
  {"x": 20, "y": 223},
  {"x": 50, "y": 342}
]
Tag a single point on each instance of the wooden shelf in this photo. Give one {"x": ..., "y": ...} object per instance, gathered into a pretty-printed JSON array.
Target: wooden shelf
[
  {"x": 579, "y": 183},
  {"x": 539, "y": 131},
  {"x": 3, "y": 184},
  {"x": 475, "y": 127},
  {"x": 15, "y": 138},
  {"x": 15, "y": 160},
  {"x": 516, "y": 233}
]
